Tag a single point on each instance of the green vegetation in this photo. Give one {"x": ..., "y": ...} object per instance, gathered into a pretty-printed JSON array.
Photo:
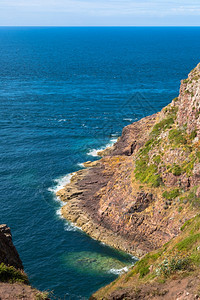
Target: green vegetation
[
  {"x": 198, "y": 155},
  {"x": 142, "y": 266},
  {"x": 193, "y": 199},
  {"x": 42, "y": 296},
  {"x": 193, "y": 134},
  {"x": 157, "y": 159},
  {"x": 180, "y": 209},
  {"x": 185, "y": 81},
  {"x": 189, "y": 166},
  {"x": 188, "y": 242},
  {"x": 145, "y": 172},
  {"x": 162, "y": 125},
  {"x": 180, "y": 254},
  {"x": 10, "y": 274},
  {"x": 176, "y": 170},
  {"x": 176, "y": 136},
  {"x": 144, "y": 271},
  {"x": 177, "y": 259},
  {"x": 173, "y": 264},
  {"x": 170, "y": 195}
]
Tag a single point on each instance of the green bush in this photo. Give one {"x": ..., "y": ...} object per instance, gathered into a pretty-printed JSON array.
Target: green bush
[
  {"x": 176, "y": 137},
  {"x": 144, "y": 271},
  {"x": 176, "y": 170},
  {"x": 174, "y": 264},
  {"x": 42, "y": 296},
  {"x": 147, "y": 174},
  {"x": 193, "y": 134},
  {"x": 188, "y": 242},
  {"x": 162, "y": 125},
  {"x": 10, "y": 274},
  {"x": 171, "y": 194},
  {"x": 157, "y": 159},
  {"x": 189, "y": 166}
]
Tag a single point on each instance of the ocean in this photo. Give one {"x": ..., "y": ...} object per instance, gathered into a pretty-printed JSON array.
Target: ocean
[{"x": 64, "y": 93}]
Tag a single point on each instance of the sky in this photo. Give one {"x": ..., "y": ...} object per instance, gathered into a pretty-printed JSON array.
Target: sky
[{"x": 99, "y": 13}]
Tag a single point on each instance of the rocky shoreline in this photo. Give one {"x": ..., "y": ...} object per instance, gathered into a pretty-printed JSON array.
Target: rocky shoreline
[
  {"x": 108, "y": 204},
  {"x": 86, "y": 187},
  {"x": 80, "y": 212},
  {"x": 143, "y": 197}
]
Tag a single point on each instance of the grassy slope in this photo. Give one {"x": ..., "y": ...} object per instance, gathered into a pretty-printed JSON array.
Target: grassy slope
[
  {"x": 170, "y": 151},
  {"x": 180, "y": 257}
]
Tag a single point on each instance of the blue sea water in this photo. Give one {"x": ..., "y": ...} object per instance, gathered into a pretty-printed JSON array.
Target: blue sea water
[{"x": 65, "y": 92}]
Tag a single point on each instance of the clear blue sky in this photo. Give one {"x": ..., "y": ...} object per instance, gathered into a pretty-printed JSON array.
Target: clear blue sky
[{"x": 100, "y": 12}]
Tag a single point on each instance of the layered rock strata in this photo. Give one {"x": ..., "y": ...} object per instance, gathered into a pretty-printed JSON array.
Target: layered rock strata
[{"x": 138, "y": 195}]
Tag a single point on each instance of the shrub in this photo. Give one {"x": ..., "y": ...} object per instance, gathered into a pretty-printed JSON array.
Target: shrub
[
  {"x": 42, "y": 296},
  {"x": 189, "y": 166},
  {"x": 10, "y": 274},
  {"x": 188, "y": 222},
  {"x": 176, "y": 137},
  {"x": 176, "y": 170},
  {"x": 171, "y": 194},
  {"x": 174, "y": 264},
  {"x": 147, "y": 174},
  {"x": 162, "y": 125},
  {"x": 157, "y": 159},
  {"x": 193, "y": 134},
  {"x": 188, "y": 242},
  {"x": 144, "y": 271}
]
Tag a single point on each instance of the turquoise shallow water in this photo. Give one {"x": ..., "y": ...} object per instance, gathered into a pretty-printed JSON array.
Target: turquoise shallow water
[{"x": 65, "y": 92}]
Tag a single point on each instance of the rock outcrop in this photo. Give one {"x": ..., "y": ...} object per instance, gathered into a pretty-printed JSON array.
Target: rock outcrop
[
  {"x": 8, "y": 253},
  {"x": 13, "y": 280},
  {"x": 136, "y": 197}
]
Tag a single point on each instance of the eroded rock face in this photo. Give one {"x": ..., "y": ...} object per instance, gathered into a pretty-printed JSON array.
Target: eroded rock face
[
  {"x": 8, "y": 253},
  {"x": 113, "y": 202},
  {"x": 189, "y": 102},
  {"x": 133, "y": 137}
]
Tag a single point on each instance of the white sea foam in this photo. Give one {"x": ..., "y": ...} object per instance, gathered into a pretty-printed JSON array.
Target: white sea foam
[
  {"x": 71, "y": 227},
  {"x": 128, "y": 119},
  {"x": 81, "y": 165},
  {"x": 118, "y": 271},
  {"x": 59, "y": 214},
  {"x": 94, "y": 152},
  {"x": 62, "y": 120},
  {"x": 60, "y": 183}
]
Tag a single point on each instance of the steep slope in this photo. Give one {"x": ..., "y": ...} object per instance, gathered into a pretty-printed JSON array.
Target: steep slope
[
  {"x": 172, "y": 271},
  {"x": 13, "y": 280},
  {"x": 8, "y": 252},
  {"x": 146, "y": 186}
]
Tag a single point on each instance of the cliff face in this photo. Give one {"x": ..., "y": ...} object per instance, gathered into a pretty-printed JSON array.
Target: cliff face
[
  {"x": 146, "y": 186},
  {"x": 13, "y": 280},
  {"x": 8, "y": 253}
]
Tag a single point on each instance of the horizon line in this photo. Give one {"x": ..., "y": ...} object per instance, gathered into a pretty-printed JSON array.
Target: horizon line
[{"x": 100, "y": 26}]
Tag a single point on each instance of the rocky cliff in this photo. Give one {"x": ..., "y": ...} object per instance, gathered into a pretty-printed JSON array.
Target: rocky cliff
[
  {"x": 139, "y": 195},
  {"x": 13, "y": 280},
  {"x": 8, "y": 253}
]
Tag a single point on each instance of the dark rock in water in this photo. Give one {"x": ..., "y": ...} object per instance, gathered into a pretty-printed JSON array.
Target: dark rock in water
[
  {"x": 8, "y": 253},
  {"x": 14, "y": 287}
]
